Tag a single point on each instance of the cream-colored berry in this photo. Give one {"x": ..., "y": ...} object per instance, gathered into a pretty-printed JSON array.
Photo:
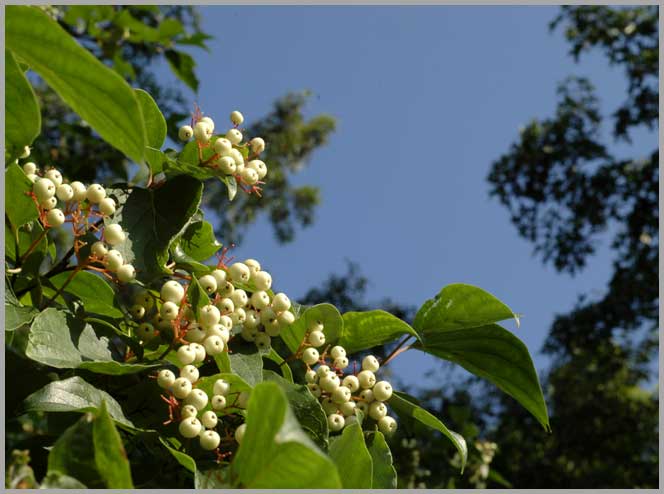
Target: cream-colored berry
[
  {"x": 169, "y": 311},
  {"x": 377, "y": 410},
  {"x": 202, "y": 132},
  {"x": 99, "y": 250},
  {"x": 49, "y": 203},
  {"x": 107, "y": 206},
  {"x": 181, "y": 388},
  {"x": 218, "y": 402},
  {"x": 341, "y": 395},
  {"x": 209, "y": 419},
  {"x": 113, "y": 260},
  {"x": 25, "y": 153},
  {"x": 64, "y": 192},
  {"x": 387, "y": 425},
  {"x": 259, "y": 167},
  {"x": 221, "y": 387},
  {"x": 114, "y": 235},
  {"x": 367, "y": 379},
  {"x": 165, "y": 378},
  {"x": 367, "y": 395},
  {"x": 286, "y": 318},
  {"x": 249, "y": 176},
  {"x": 337, "y": 351},
  {"x": 214, "y": 345},
  {"x": 310, "y": 376},
  {"x": 80, "y": 191},
  {"x": 225, "y": 306},
  {"x": 190, "y": 372},
  {"x": 234, "y": 135},
  {"x": 199, "y": 350},
  {"x": 351, "y": 382},
  {"x": 239, "y": 272},
  {"x": 262, "y": 280},
  {"x": 30, "y": 168},
  {"x": 190, "y": 427},
  {"x": 126, "y": 273},
  {"x": 43, "y": 189},
  {"x": 188, "y": 411},
  {"x": 237, "y": 118},
  {"x": 55, "y": 217},
  {"x": 54, "y": 176},
  {"x": 185, "y": 133},
  {"x": 253, "y": 265},
  {"x": 186, "y": 354},
  {"x": 172, "y": 291},
  {"x": 315, "y": 389},
  {"x": 239, "y": 433},
  {"x": 341, "y": 362},
  {"x": 208, "y": 283},
  {"x": 219, "y": 276},
  {"x": 330, "y": 382},
  {"x": 208, "y": 316},
  {"x": 335, "y": 422},
  {"x": 370, "y": 363},
  {"x": 382, "y": 390},
  {"x": 210, "y": 440},
  {"x": 257, "y": 145},
  {"x": 223, "y": 146},
  {"x": 95, "y": 193},
  {"x": 239, "y": 298},
  {"x": 198, "y": 398},
  {"x": 281, "y": 302},
  {"x": 227, "y": 165},
  {"x": 209, "y": 122},
  {"x": 347, "y": 409},
  {"x": 260, "y": 300},
  {"x": 310, "y": 356}
]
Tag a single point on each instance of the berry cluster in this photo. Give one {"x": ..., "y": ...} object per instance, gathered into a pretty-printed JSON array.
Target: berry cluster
[
  {"x": 336, "y": 391},
  {"x": 228, "y": 156},
  {"x": 59, "y": 202}
]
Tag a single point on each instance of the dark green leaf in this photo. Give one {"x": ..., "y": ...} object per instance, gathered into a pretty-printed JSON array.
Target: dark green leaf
[
  {"x": 94, "y": 292},
  {"x": 499, "y": 479},
  {"x": 153, "y": 219},
  {"x": 352, "y": 458},
  {"x": 96, "y": 92},
  {"x": 197, "y": 296},
  {"x": 307, "y": 409},
  {"x": 183, "y": 261},
  {"x": 110, "y": 455},
  {"x": 16, "y": 314},
  {"x": 196, "y": 39},
  {"x": 182, "y": 64},
  {"x": 73, "y": 395},
  {"x": 406, "y": 407},
  {"x": 155, "y": 130},
  {"x": 495, "y": 354},
  {"x": 198, "y": 241},
  {"x": 285, "y": 369},
  {"x": 249, "y": 365},
  {"x": 325, "y": 313},
  {"x": 362, "y": 330},
  {"x": 460, "y": 306},
  {"x": 22, "y": 115},
  {"x": 138, "y": 31},
  {"x": 276, "y": 453},
  {"x": 384, "y": 474},
  {"x": 19, "y": 207},
  {"x": 183, "y": 459}
]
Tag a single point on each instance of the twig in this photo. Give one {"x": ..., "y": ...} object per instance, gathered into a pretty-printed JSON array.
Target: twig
[{"x": 397, "y": 350}]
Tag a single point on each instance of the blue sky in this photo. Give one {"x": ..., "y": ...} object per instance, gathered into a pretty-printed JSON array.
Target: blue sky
[{"x": 426, "y": 98}]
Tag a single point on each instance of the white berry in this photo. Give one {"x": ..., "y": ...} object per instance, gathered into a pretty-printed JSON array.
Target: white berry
[
  {"x": 236, "y": 117},
  {"x": 347, "y": 408},
  {"x": 387, "y": 425},
  {"x": 239, "y": 298},
  {"x": 43, "y": 189},
  {"x": 209, "y": 316},
  {"x": 239, "y": 272},
  {"x": 172, "y": 291},
  {"x": 226, "y": 306},
  {"x": 198, "y": 398},
  {"x": 209, "y": 122},
  {"x": 262, "y": 341},
  {"x": 337, "y": 351},
  {"x": 54, "y": 176},
  {"x": 209, "y": 419},
  {"x": 335, "y": 422},
  {"x": 260, "y": 300},
  {"x": 99, "y": 249},
  {"x": 214, "y": 345},
  {"x": 221, "y": 387},
  {"x": 323, "y": 371},
  {"x": 341, "y": 395},
  {"x": 218, "y": 402},
  {"x": 330, "y": 382},
  {"x": 208, "y": 283},
  {"x": 64, "y": 192},
  {"x": 281, "y": 302},
  {"x": 351, "y": 382},
  {"x": 377, "y": 410},
  {"x": 185, "y": 132},
  {"x": 259, "y": 167},
  {"x": 210, "y": 440},
  {"x": 188, "y": 411},
  {"x": 310, "y": 356},
  {"x": 239, "y": 433},
  {"x": 310, "y": 376},
  {"x": 315, "y": 389},
  {"x": 49, "y": 203},
  {"x": 286, "y": 318},
  {"x": 219, "y": 276},
  {"x": 222, "y": 146},
  {"x": 249, "y": 176},
  {"x": 190, "y": 427},
  {"x": 95, "y": 193},
  {"x": 25, "y": 153},
  {"x": 190, "y": 372},
  {"x": 169, "y": 311},
  {"x": 202, "y": 132},
  {"x": 199, "y": 350},
  {"x": 55, "y": 217},
  {"x": 227, "y": 165},
  {"x": 126, "y": 273},
  {"x": 253, "y": 265},
  {"x": 107, "y": 206},
  {"x": 114, "y": 260},
  {"x": 341, "y": 362},
  {"x": 257, "y": 145},
  {"x": 114, "y": 235},
  {"x": 80, "y": 192},
  {"x": 186, "y": 354},
  {"x": 367, "y": 379},
  {"x": 262, "y": 280},
  {"x": 165, "y": 378},
  {"x": 181, "y": 387},
  {"x": 370, "y": 363},
  {"x": 30, "y": 168},
  {"x": 382, "y": 391}
]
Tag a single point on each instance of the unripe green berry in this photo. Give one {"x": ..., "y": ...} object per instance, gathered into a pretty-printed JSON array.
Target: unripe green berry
[
  {"x": 55, "y": 217},
  {"x": 262, "y": 341},
  {"x": 262, "y": 280},
  {"x": 138, "y": 311},
  {"x": 145, "y": 331},
  {"x": 382, "y": 391},
  {"x": 367, "y": 379},
  {"x": 190, "y": 427},
  {"x": 351, "y": 382},
  {"x": 310, "y": 356},
  {"x": 143, "y": 298},
  {"x": 186, "y": 354},
  {"x": 210, "y": 440},
  {"x": 181, "y": 388},
  {"x": 387, "y": 425},
  {"x": 107, "y": 206},
  {"x": 218, "y": 402},
  {"x": 64, "y": 192},
  {"x": 370, "y": 363},
  {"x": 172, "y": 291},
  {"x": 190, "y": 372},
  {"x": 198, "y": 398},
  {"x": 114, "y": 235},
  {"x": 80, "y": 191},
  {"x": 249, "y": 334},
  {"x": 165, "y": 378},
  {"x": 169, "y": 311},
  {"x": 237, "y": 118},
  {"x": 195, "y": 334},
  {"x": 209, "y": 419},
  {"x": 95, "y": 193},
  {"x": 335, "y": 422},
  {"x": 185, "y": 133}
]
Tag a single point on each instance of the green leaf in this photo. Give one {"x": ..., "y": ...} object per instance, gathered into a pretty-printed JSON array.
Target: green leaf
[
  {"x": 153, "y": 219},
  {"x": 183, "y": 261},
  {"x": 59, "y": 340},
  {"x": 155, "y": 130},
  {"x": 183, "y": 459},
  {"x": 110, "y": 456},
  {"x": 22, "y": 115},
  {"x": 198, "y": 241},
  {"x": 73, "y": 395},
  {"x": 384, "y": 474},
  {"x": 460, "y": 306},
  {"x": 138, "y": 31},
  {"x": 57, "y": 480},
  {"x": 94, "y": 292},
  {"x": 362, "y": 330},
  {"x": 19, "y": 207},
  {"x": 285, "y": 369},
  {"x": 197, "y": 296},
  {"x": 213, "y": 478},
  {"x": 276, "y": 453},
  {"x": 406, "y": 407},
  {"x": 248, "y": 364},
  {"x": 352, "y": 458},
  {"x": 495, "y": 354},
  {"x": 307, "y": 409},
  {"x": 325, "y": 313},
  {"x": 16, "y": 314},
  {"x": 182, "y": 64},
  {"x": 94, "y": 91}
]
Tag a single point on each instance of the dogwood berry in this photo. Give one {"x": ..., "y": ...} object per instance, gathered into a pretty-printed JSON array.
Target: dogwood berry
[
  {"x": 341, "y": 362},
  {"x": 113, "y": 260},
  {"x": 227, "y": 322},
  {"x": 55, "y": 217},
  {"x": 259, "y": 167},
  {"x": 225, "y": 306},
  {"x": 238, "y": 158},
  {"x": 257, "y": 145},
  {"x": 199, "y": 350},
  {"x": 209, "y": 419},
  {"x": 236, "y": 117},
  {"x": 95, "y": 193},
  {"x": 169, "y": 311},
  {"x": 145, "y": 331},
  {"x": 49, "y": 203},
  {"x": 209, "y": 315},
  {"x": 316, "y": 338},
  {"x": 335, "y": 422},
  {"x": 328, "y": 405},
  {"x": 239, "y": 272},
  {"x": 188, "y": 411},
  {"x": 286, "y": 318},
  {"x": 310, "y": 376},
  {"x": 185, "y": 133},
  {"x": 249, "y": 176},
  {"x": 239, "y": 298},
  {"x": 243, "y": 399},
  {"x": 33, "y": 177},
  {"x": 323, "y": 371},
  {"x": 377, "y": 410},
  {"x": 337, "y": 351},
  {"x": 370, "y": 363},
  {"x": 64, "y": 192},
  {"x": 113, "y": 234},
  {"x": 227, "y": 165},
  {"x": 367, "y": 395},
  {"x": 195, "y": 334},
  {"x": 26, "y": 152},
  {"x": 214, "y": 345},
  {"x": 260, "y": 300},
  {"x": 223, "y": 146},
  {"x": 143, "y": 298},
  {"x": 249, "y": 334},
  {"x": 262, "y": 280},
  {"x": 234, "y": 135},
  {"x": 99, "y": 250},
  {"x": 315, "y": 389},
  {"x": 253, "y": 265},
  {"x": 190, "y": 427},
  {"x": 190, "y": 372},
  {"x": 362, "y": 406},
  {"x": 218, "y": 402},
  {"x": 239, "y": 433},
  {"x": 367, "y": 379},
  {"x": 221, "y": 387},
  {"x": 351, "y": 382},
  {"x": 281, "y": 302},
  {"x": 219, "y": 276},
  {"x": 315, "y": 326},
  {"x": 107, "y": 206},
  {"x": 54, "y": 176},
  {"x": 138, "y": 311},
  {"x": 181, "y": 388},
  {"x": 202, "y": 132},
  {"x": 341, "y": 395},
  {"x": 165, "y": 378},
  {"x": 209, "y": 122},
  {"x": 226, "y": 289},
  {"x": 210, "y": 440},
  {"x": 126, "y": 273},
  {"x": 198, "y": 398},
  {"x": 172, "y": 291},
  {"x": 80, "y": 192},
  {"x": 347, "y": 409},
  {"x": 43, "y": 189},
  {"x": 262, "y": 341},
  {"x": 382, "y": 391},
  {"x": 252, "y": 319},
  {"x": 208, "y": 283},
  {"x": 29, "y": 168},
  {"x": 387, "y": 425},
  {"x": 186, "y": 354},
  {"x": 310, "y": 356},
  {"x": 329, "y": 382}
]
